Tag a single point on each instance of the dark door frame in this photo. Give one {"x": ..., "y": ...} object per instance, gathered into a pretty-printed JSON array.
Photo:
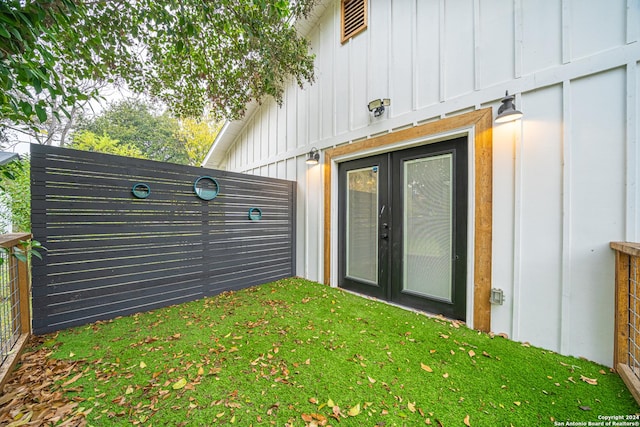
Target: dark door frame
[
  {"x": 389, "y": 228},
  {"x": 478, "y": 126}
]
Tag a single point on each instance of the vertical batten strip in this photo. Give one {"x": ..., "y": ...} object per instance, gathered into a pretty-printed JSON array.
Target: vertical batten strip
[
  {"x": 566, "y": 31},
  {"x": 517, "y": 227},
  {"x": 319, "y": 231},
  {"x": 306, "y": 224},
  {"x": 442, "y": 44},
  {"x": 476, "y": 45},
  {"x": 390, "y": 57},
  {"x": 518, "y": 38},
  {"x": 321, "y": 100},
  {"x": 350, "y": 89},
  {"x": 334, "y": 89},
  {"x": 565, "y": 301},
  {"x": 414, "y": 55},
  {"x": 632, "y": 157},
  {"x": 633, "y": 17},
  {"x": 370, "y": 89}
]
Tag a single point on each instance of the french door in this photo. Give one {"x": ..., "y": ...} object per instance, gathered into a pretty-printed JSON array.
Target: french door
[{"x": 403, "y": 227}]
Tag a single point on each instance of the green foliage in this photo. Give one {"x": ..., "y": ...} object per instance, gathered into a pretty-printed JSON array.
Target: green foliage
[
  {"x": 34, "y": 58},
  {"x": 133, "y": 124},
  {"x": 190, "y": 54},
  {"x": 198, "y": 136},
  {"x": 16, "y": 195},
  {"x": 294, "y": 352},
  {"x": 24, "y": 250},
  {"x": 89, "y": 141}
]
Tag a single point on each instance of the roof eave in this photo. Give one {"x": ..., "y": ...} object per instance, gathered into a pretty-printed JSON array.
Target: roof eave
[{"x": 215, "y": 158}]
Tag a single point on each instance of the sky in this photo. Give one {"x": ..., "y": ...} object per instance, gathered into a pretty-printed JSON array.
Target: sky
[{"x": 109, "y": 93}]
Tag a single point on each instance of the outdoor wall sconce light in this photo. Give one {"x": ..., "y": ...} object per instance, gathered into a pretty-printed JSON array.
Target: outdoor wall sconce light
[
  {"x": 313, "y": 157},
  {"x": 507, "y": 111},
  {"x": 377, "y": 106}
]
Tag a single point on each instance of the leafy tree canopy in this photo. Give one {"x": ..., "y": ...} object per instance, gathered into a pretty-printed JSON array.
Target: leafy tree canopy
[
  {"x": 198, "y": 136},
  {"x": 89, "y": 141},
  {"x": 133, "y": 124},
  {"x": 191, "y": 54},
  {"x": 15, "y": 196}
]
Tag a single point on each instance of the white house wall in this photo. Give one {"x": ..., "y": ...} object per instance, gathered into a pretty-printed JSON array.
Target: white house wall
[{"x": 565, "y": 177}]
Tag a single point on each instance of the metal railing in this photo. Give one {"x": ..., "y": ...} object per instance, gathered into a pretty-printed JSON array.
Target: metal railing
[
  {"x": 626, "y": 356},
  {"x": 15, "y": 313}
]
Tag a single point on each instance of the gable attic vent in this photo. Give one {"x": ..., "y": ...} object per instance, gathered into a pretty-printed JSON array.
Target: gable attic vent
[{"x": 354, "y": 18}]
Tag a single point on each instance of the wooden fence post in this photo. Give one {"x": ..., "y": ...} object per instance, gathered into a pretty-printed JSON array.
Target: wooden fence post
[
  {"x": 621, "y": 329},
  {"x": 19, "y": 288},
  {"x": 24, "y": 282}
]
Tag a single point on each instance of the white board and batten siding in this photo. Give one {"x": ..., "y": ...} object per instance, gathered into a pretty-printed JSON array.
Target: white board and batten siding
[{"x": 565, "y": 178}]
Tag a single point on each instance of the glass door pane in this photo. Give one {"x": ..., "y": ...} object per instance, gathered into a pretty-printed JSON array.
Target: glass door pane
[
  {"x": 362, "y": 224},
  {"x": 427, "y": 226}
]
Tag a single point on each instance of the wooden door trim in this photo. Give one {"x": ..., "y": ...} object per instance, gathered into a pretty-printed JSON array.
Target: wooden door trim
[{"x": 482, "y": 138}]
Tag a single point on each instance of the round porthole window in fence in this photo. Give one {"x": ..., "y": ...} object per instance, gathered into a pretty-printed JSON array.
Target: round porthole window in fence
[
  {"x": 140, "y": 190},
  {"x": 206, "y": 188},
  {"x": 255, "y": 214}
]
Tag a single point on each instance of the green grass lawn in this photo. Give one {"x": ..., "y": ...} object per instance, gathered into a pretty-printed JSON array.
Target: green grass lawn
[{"x": 298, "y": 353}]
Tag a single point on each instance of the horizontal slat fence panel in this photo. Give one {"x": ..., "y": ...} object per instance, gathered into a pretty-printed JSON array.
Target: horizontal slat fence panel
[{"x": 112, "y": 254}]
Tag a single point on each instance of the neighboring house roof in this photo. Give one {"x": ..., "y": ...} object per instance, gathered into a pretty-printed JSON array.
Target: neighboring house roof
[
  {"x": 216, "y": 156},
  {"x": 6, "y": 157}
]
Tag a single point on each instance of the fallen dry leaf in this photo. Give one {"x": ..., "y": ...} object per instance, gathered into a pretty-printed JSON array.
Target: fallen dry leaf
[
  {"x": 354, "y": 411},
  {"x": 426, "y": 367},
  {"x": 314, "y": 419},
  {"x": 587, "y": 380},
  {"x": 179, "y": 384},
  {"x": 44, "y": 396},
  {"x": 466, "y": 421},
  {"x": 337, "y": 413},
  {"x": 472, "y": 353}
]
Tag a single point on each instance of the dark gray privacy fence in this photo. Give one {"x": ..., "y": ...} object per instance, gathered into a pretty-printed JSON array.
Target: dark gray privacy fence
[{"x": 127, "y": 235}]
